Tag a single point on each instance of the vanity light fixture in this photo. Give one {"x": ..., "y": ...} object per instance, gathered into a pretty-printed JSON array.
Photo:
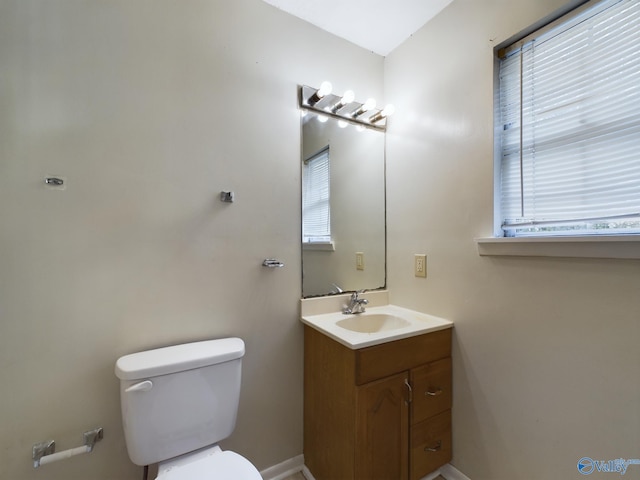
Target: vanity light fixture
[
  {"x": 386, "y": 112},
  {"x": 342, "y": 107},
  {"x": 319, "y": 94}
]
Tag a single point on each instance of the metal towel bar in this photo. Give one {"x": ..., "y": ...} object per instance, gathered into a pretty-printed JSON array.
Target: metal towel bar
[{"x": 272, "y": 263}]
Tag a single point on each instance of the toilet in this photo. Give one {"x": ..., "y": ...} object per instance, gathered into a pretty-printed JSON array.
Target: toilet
[{"x": 177, "y": 403}]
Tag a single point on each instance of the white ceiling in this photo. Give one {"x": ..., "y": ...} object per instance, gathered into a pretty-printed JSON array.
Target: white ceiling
[{"x": 377, "y": 25}]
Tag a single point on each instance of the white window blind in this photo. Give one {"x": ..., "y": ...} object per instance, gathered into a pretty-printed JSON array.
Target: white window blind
[
  {"x": 569, "y": 122},
  {"x": 316, "y": 215}
]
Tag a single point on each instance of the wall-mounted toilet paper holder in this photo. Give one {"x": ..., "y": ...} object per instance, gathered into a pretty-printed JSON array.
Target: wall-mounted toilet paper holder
[{"x": 44, "y": 452}]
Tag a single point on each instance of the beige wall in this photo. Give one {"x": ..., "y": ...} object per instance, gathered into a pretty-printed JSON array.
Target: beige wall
[
  {"x": 546, "y": 351},
  {"x": 150, "y": 109}
]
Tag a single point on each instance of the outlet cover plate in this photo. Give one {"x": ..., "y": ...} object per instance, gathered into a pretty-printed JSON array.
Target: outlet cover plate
[{"x": 420, "y": 265}]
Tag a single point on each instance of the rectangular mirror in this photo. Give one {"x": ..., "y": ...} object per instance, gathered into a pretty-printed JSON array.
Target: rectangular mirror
[{"x": 343, "y": 191}]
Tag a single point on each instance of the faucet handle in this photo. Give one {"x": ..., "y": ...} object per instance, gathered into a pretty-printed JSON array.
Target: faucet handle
[{"x": 356, "y": 293}]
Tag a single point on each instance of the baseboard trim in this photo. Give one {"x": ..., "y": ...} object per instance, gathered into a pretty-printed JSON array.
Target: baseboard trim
[
  {"x": 452, "y": 473},
  {"x": 307, "y": 474},
  {"x": 432, "y": 475},
  {"x": 284, "y": 469}
]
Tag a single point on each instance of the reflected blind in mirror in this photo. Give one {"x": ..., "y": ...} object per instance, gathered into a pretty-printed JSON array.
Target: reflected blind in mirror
[{"x": 316, "y": 214}]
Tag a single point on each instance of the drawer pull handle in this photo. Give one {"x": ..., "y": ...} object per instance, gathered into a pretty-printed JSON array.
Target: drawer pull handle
[
  {"x": 437, "y": 448},
  {"x": 433, "y": 391}
]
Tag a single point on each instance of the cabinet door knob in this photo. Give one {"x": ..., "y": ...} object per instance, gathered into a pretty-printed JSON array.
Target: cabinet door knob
[
  {"x": 433, "y": 391},
  {"x": 437, "y": 447}
]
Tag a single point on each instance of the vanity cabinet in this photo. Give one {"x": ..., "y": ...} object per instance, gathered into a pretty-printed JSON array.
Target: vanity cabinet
[{"x": 377, "y": 413}]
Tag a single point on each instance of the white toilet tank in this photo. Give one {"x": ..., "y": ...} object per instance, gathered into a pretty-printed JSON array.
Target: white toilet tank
[{"x": 179, "y": 399}]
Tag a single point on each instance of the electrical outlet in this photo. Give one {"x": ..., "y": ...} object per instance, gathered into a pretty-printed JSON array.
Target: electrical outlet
[
  {"x": 420, "y": 265},
  {"x": 359, "y": 261}
]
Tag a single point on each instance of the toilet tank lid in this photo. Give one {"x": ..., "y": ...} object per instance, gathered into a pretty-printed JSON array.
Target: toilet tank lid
[{"x": 178, "y": 358}]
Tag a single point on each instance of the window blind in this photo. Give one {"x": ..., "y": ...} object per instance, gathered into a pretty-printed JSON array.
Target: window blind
[
  {"x": 316, "y": 216},
  {"x": 569, "y": 123}
]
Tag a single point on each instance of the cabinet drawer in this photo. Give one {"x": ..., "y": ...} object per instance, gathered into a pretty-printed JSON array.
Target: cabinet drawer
[
  {"x": 431, "y": 389},
  {"x": 430, "y": 445},
  {"x": 380, "y": 361}
]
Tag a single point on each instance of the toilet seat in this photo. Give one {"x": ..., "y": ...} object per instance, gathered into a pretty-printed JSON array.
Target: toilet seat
[{"x": 216, "y": 465}]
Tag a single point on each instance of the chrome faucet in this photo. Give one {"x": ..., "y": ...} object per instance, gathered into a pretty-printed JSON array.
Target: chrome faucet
[{"x": 356, "y": 304}]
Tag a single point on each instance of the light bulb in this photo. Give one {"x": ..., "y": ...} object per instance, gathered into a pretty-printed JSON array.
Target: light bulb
[
  {"x": 342, "y": 124},
  {"x": 348, "y": 97},
  {"x": 325, "y": 89},
  {"x": 388, "y": 110},
  {"x": 369, "y": 104},
  {"x": 322, "y": 118}
]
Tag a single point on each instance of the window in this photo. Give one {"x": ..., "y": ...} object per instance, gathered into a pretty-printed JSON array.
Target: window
[
  {"x": 568, "y": 123},
  {"x": 316, "y": 213}
]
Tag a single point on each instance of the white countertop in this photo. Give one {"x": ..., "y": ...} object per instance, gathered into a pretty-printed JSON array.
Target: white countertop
[{"x": 419, "y": 323}]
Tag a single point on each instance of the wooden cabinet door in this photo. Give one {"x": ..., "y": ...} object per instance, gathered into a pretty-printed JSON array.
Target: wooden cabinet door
[{"x": 382, "y": 429}]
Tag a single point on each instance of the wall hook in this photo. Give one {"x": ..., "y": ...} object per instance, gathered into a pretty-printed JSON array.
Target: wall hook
[
  {"x": 227, "y": 197},
  {"x": 55, "y": 182}
]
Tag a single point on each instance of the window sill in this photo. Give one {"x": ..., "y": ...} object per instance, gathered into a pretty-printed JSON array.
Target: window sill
[
  {"x": 613, "y": 246},
  {"x": 319, "y": 246}
]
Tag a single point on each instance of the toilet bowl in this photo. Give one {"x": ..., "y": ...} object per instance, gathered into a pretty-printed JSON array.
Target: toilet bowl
[
  {"x": 177, "y": 403},
  {"x": 210, "y": 464}
]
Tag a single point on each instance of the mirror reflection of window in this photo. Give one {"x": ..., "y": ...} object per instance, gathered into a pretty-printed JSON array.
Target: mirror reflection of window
[{"x": 316, "y": 211}]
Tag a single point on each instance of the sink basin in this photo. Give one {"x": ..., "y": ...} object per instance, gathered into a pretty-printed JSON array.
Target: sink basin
[
  {"x": 375, "y": 326},
  {"x": 372, "y": 322}
]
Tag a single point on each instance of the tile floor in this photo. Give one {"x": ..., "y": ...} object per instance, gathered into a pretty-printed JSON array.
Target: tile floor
[{"x": 299, "y": 476}]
